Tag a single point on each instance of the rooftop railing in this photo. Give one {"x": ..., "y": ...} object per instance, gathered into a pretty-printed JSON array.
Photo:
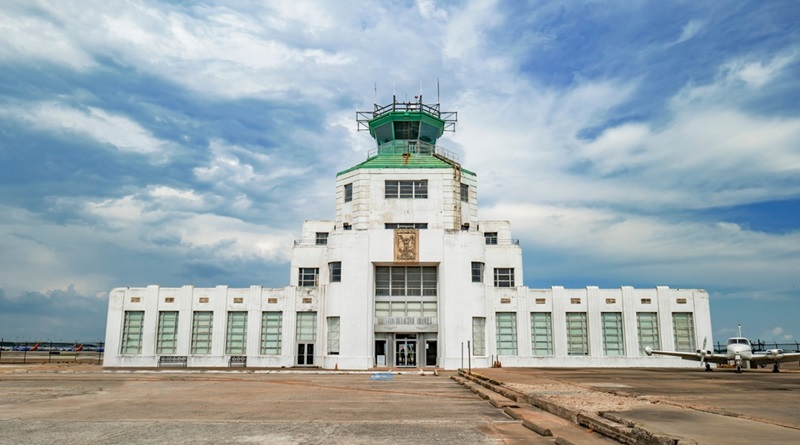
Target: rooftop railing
[{"x": 412, "y": 147}]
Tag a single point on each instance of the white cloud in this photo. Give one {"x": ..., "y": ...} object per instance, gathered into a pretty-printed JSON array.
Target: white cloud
[
  {"x": 689, "y": 31},
  {"x": 118, "y": 131},
  {"x": 32, "y": 38}
]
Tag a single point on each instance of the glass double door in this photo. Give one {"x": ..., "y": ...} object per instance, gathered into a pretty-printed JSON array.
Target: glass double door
[{"x": 405, "y": 350}]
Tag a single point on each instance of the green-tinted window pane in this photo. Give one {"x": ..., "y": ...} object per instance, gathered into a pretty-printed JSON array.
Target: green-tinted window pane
[
  {"x": 202, "y": 330},
  {"x": 683, "y": 331},
  {"x": 541, "y": 333},
  {"x": 236, "y": 334},
  {"x": 613, "y": 339},
  {"x": 307, "y": 326},
  {"x": 271, "y": 328},
  {"x": 647, "y": 327},
  {"x": 132, "y": 328},
  {"x": 506, "y": 333},
  {"x": 577, "y": 334},
  {"x": 167, "y": 339}
]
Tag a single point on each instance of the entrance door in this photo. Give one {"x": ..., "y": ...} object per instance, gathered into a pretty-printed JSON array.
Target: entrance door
[
  {"x": 305, "y": 354},
  {"x": 380, "y": 352},
  {"x": 405, "y": 350},
  {"x": 430, "y": 352}
]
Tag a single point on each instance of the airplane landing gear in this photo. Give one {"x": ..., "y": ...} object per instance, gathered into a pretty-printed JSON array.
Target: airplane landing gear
[
  {"x": 738, "y": 369},
  {"x": 776, "y": 368},
  {"x": 708, "y": 367}
]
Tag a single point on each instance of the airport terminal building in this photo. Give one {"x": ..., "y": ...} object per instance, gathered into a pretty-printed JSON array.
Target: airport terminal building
[{"x": 406, "y": 275}]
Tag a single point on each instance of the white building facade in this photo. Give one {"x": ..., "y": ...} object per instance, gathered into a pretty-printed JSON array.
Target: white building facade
[{"x": 404, "y": 276}]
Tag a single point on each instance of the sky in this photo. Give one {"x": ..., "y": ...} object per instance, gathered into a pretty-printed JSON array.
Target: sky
[{"x": 629, "y": 143}]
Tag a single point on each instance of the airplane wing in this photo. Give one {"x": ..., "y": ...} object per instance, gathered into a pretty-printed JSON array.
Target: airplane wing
[
  {"x": 695, "y": 356},
  {"x": 775, "y": 356}
]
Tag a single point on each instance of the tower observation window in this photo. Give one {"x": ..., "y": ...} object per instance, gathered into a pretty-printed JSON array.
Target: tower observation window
[{"x": 406, "y": 130}]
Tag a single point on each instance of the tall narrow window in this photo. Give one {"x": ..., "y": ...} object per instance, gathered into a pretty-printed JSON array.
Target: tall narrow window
[
  {"x": 506, "y": 333},
  {"x": 333, "y": 335},
  {"x": 348, "y": 192},
  {"x": 490, "y": 237},
  {"x": 306, "y": 334},
  {"x": 613, "y": 339},
  {"x": 504, "y": 277},
  {"x": 647, "y": 327},
  {"x": 335, "y": 269},
  {"x": 541, "y": 333},
  {"x": 322, "y": 238},
  {"x": 271, "y": 328},
  {"x": 478, "y": 336},
  {"x": 167, "y": 339},
  {"x": 202, "y": 330},
  {"x": 236, "y": 333},
  {"x": 577, "y": 334},
  {"x": 132, "y": 328},
  {"x": 464, "y": 193},
  {"x": 683, "y": 331},
  {"x": 477, "y": 272},
  {"x": 308, "y": 277}
]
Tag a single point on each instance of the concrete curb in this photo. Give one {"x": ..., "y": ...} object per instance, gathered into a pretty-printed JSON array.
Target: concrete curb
[{"x": 612, "y": 426}]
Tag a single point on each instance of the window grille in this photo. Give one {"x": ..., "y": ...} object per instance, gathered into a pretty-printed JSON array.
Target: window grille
[
  {"x": 613, "y": 338},
  {"x": 541, "y": 333},
  {"x": 647, "y": 327},
  {"x": 202, "y": 330},
  {"x": 132, "y": 329},
  {"x": 406, "y": 189},
  {"x": 506, "y": 333},
  {"x": 477, "y": 272},
  {"x": 271, "y": 329},
  {"x": 236, "y": 333},
  {"x": 308, "y": 277},
  {"x": 504, "y": 277},
  {"x": 577, "y": 334},
  {"x": 167, "y": 338},
  {"x": 683, "y": 331}
]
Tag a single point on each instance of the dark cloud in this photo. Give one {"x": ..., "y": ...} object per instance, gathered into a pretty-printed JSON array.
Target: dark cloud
[{"x": 58, "y": 315}]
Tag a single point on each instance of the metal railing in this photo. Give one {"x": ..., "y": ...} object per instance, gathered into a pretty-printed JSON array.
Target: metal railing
[
  {"x": 47, "y": 351},
  {"x": 449, "y": 117},
  {"x": 412, "y": 147}
]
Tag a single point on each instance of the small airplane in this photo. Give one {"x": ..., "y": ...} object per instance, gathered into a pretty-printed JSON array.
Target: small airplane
[{"x": 737, "y": 350}]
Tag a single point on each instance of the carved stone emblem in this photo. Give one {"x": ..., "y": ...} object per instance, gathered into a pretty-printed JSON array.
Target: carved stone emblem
[{"x": 406, "y": 245}]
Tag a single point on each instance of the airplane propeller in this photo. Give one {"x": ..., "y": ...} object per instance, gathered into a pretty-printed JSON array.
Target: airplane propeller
[{"x": 702, "y": 353}]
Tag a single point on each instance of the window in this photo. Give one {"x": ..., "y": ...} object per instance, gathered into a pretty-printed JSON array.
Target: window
[
  {"x": 306, "y": 326},
  {"x": 333, "y": 335},
  {"x": 464, "y": 193},
  {"x": 647, "y": 327},
  {"x": 406, "y": 225},
  {"x": 347, "y": 226},
  {"x": 541, "y": 333},
  {"x": 271, "y": 328},
  {"x": 167, "y": 338},
  {"x": 322, "y": 238},
  {"x": 477, "y": 272},
  {"x": 306, "y": 332},
  {"x": 335, "y": 269},
  {"x": 385, "y": 309},
  {"x": 132, "y": 328},
  {"x": 478, "y": 336},
  {"x": 202, "y": 324},
  {"x": 348, "y": 192},
  {"x": 403, "y": 281},
  {"x": 577, "y": 334},
  {"x": 490, "y": 237},
  {"x": 506, "y": 333},
  {"x": 504, "y": 277},
  {"x": 309, "y": 277},
  {"x": 406, "y": 189},
  {"x": 613, "y": 340},
  {"x": 236, "y": 333},
  {"x": 683, "y": 331}
]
